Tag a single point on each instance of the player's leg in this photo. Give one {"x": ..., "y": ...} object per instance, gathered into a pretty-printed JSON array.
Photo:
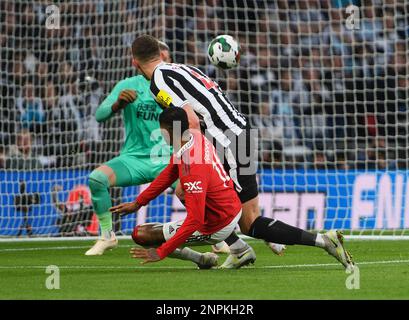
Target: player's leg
[
  {"x": 239, "y": 162},
  {"x": 241, "y": 254},
  {"x": 153, "y": 235},
  {"x": 99, "y": 181},
  {"x": 270, "y": 230},
  {"x": 276, "y": 231},
  {"x": 112, "y": 173}
]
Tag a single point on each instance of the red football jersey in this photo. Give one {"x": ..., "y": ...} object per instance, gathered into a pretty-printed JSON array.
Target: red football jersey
[{"x": 210, "y": 199}]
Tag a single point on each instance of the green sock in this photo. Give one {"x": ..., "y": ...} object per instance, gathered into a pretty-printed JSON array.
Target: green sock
[
  {"x": 101, "y": 200},
  {"x": 105, "y": 224}
]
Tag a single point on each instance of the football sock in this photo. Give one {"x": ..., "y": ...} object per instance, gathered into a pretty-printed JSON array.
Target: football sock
[
  {"x": 101, "y": 200},
  {"x": 235, "y": 243},
  {"x": 320, "y": 242},
  {"x": 186, "y": 254},
  {"x": 105, "y": 224},
  {"x": 276, "y": 231}
]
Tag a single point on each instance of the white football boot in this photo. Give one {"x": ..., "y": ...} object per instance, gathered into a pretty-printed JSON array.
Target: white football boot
[
  {"x": 334, "y": 241},
  {"x": 278, "y": 249},
  {"x": 221, "y": 247},
  {"x": 236, "y": 261},
  {"x": 101, "y": 245}
]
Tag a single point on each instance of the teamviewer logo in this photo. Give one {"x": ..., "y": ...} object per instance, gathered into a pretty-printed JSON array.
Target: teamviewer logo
[{"x": 193, "y": 187}]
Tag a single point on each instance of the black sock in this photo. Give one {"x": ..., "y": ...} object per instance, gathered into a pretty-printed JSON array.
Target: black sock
[
  {"x": 276, "y": 231},
  {"x": 231, "y": 238}
]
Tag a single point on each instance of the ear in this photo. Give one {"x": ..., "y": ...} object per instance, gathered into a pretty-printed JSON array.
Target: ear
[
  {"x": 162, "y": 55},
  {"x": 135, "y": 63},
  {"x": 165, "y": 56}
]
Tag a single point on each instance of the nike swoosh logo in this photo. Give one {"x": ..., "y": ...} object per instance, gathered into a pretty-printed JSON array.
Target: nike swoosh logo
[
  {"x": 271, "y": 223},
  {"x": 334, "y": 243},
  {"x": 240, "y": 256}
]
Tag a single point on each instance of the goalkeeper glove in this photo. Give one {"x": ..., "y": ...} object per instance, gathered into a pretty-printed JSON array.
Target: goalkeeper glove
[{"x": 125, "y": 97}]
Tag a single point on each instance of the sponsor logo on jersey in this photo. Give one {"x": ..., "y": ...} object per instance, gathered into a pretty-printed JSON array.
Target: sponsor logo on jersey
[
  {"x": 171, "y": 229},
  {"x": 147, "y": 112},
  {"x": 193, "y": 187},
  {"x": 164, "y": 98}
]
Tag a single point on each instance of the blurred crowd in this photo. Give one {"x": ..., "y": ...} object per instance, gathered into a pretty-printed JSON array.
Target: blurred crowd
[{"x": 322, "y": 95}]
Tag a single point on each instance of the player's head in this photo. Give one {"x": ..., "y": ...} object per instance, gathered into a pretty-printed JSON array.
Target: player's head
[
  {"x": 174, "y": 125},
  {"x": 145, "y": 51},
  {"x": 165, "y": 52}
]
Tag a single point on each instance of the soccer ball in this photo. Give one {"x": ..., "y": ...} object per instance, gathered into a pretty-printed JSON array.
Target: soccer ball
[{"x": 224, "y": 52}]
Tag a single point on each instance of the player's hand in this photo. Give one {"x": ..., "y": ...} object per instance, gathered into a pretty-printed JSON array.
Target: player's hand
[
  {"x": 125, "y": 97},
  {"x": 125, "y": 208},
  {"x": 148, "y": 255}
]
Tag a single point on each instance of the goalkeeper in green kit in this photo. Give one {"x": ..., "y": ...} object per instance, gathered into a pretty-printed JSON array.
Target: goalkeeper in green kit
[{"x": 143, "y": 156}]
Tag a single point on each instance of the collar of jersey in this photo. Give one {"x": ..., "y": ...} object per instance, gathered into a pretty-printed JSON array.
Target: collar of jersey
[
  {"x": 159, "y": 64},
  {"x": 186, "y": 146}
]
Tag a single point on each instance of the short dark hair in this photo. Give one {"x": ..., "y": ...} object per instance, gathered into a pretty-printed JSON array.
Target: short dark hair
[
  {"x": 170, "y": 115},
  {"x": 145, "y": 48}
]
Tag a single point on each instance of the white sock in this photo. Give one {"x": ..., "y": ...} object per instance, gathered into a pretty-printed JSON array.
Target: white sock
[
  {"x": 320, "y": 242},
  {"x": 238, "y": 246},
  {"x": 186, "y": 254}
]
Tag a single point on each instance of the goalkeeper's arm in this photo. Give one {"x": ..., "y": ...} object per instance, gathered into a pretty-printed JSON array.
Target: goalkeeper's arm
[{"x": 116, "y": 101}]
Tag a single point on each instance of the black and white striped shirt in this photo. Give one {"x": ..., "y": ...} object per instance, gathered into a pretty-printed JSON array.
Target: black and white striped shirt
[{"x": 174, "y": 85}]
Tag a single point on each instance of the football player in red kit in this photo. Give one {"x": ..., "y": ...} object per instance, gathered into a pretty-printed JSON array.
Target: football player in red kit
[{"x": 212, "y": 205}]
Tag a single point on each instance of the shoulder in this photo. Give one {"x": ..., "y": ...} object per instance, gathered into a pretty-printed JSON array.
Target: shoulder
[
  {"x": 135, "y": 83},
  {"x": 139, "y": 79},
  {"x": 167, "y": 69}
]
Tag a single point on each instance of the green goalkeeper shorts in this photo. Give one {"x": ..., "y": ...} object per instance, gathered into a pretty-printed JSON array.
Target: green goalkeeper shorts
[{"x": 133, "y": 170}]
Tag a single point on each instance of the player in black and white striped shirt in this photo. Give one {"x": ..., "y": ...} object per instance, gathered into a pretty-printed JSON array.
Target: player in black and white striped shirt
[
  {"x": 187, "y": 84},
  {"x": 177, "y": 85}
]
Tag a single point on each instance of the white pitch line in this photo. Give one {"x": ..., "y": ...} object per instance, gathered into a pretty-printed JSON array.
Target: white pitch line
[
  {"x": 54, "y": 248},
  {"x": 66, "y": 247},
  {"x": 135, "y": 267}
]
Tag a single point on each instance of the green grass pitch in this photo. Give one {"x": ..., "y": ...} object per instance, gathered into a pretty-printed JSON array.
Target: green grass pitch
[{"x": 303, "y": 273}]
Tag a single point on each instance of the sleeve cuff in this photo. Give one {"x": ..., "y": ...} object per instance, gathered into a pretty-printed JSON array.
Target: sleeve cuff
[{"x": 160, "y": 253}]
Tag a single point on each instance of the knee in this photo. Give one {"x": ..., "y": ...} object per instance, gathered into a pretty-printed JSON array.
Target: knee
[
  {"x": 98, "y": 181},
  {"x": 245, "y": 228},
  {"x": 250, "y": 213}
]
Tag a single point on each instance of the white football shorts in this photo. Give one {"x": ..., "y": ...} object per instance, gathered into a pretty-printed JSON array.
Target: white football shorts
[{"x": 197, "y": 238}]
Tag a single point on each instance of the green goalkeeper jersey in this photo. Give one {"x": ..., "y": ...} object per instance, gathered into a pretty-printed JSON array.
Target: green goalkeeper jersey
[{"x": 141, "y": 120}]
